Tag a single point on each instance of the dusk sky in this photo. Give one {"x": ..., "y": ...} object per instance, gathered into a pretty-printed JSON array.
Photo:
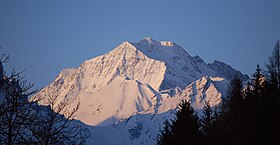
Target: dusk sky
[{"x": 43, "y": 37}]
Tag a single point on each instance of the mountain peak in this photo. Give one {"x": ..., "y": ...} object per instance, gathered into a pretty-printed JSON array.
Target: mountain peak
[{"x": 149, "y": 40}]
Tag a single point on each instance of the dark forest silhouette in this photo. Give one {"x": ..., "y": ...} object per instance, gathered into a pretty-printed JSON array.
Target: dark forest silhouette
[{"x": 250, "y": 114}]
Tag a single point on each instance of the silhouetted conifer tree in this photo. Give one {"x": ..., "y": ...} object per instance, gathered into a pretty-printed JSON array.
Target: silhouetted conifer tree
[
  {"x": 209, "y": 125},
  {"x": 186, "y": 126},
  {"x": 233, "y": 114},
  {"x": 164, "y": 138},
  {"x": 253, "y": 108}
]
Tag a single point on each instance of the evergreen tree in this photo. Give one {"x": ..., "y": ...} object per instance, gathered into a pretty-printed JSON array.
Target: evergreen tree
[
  {"x": 258, "y": 81},
  {"x": 207, "y": 119},
  {"x": 253, "y": 109},
  {"x": 186, "y": 126},
  {"x": 208, "y": 124},
  {"x": 164, "y": 138},
  {"x": 233, "y": 114}
]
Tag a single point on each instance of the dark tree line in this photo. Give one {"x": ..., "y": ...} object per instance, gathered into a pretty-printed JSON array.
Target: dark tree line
[
  {"x": 250, "y": 114},
  {"x": 24, "y": 122}
]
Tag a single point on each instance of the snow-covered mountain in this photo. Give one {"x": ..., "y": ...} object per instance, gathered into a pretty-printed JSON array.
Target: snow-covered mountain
[{"x": 130, "y": 91}]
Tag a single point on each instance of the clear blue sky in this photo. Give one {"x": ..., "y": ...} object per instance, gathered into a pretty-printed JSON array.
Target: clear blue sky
[{"x": 43, "y": 37}]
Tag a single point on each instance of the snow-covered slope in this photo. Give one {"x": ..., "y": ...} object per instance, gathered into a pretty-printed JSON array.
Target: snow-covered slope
[
  {"x": 117, "y": 101},
  {"x": 142, "y": 128},
  {"x": 143, "y": 81}
]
